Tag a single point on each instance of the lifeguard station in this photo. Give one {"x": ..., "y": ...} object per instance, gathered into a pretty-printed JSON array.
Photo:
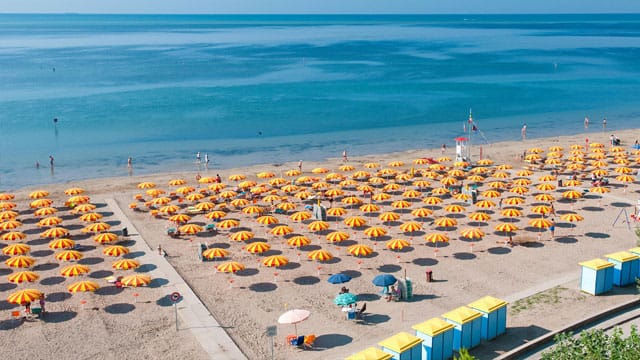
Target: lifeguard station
[{"x": 463, "y": 151}]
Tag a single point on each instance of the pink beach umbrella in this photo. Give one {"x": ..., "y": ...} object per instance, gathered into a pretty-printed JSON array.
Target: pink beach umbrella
[{"x": 294, "y": 317}]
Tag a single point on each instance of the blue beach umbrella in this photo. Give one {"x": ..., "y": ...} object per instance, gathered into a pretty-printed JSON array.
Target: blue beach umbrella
[
  {"x": 384, "y": 280},
  {"x": 339, "y": 278},
  {"x": 345, "y": 299}
]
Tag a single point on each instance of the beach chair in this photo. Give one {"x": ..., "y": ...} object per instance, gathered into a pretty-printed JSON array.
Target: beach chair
[
  {"x": 211, "y": 227},
  {"x": 361, "y": 315},
  {"x": 308, "y": 342}
]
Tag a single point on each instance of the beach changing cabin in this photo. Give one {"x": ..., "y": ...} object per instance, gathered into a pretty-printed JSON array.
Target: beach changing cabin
[
  {"x": 372, "y": 353},
  {"x": 636, "y": 251},
  {"x": 467, "y": 329},
  {"x": 494, "y": 316},
  {"x": 437, "y": 339},
  {"x": 625, "y": 267},
  {"x": 596, "y": 277},
  {"x": 402, "y": 346}
]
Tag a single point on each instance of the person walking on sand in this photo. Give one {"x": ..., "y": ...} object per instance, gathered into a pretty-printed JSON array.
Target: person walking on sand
[
  {"x": 552, "y": 228},
  {"x": 523, "y": 132},
  {"x": 444, "y": 148},
  {"x": 344, "y": 155},
  {"x": 300, "y": 165}
]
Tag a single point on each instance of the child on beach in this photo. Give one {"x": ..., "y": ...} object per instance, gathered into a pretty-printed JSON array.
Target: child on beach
[{"x": 344, "y": 155}]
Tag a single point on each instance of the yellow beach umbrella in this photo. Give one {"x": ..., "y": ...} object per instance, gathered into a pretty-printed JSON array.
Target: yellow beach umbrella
[
  {"x": 511, "y": 212},
  {"x": 180, "y": 218},
  {"x": 541, "y": 209},
  {"x": 16, "y": 249},
  {"x": 281, "y": 230},
  {"x": 520, "y": 190},
  {"x": 318, "y": 226},
  {"x": 38, "y": 194},
  {"x": 258, "y": 247},
  {"x": 545, "y": 187},
  {"x": 96, "y": 227},
  {"x": 513, "y": 201},
  {"x": 6, "y": 196},
  {"x": 506, "y": 227},
  {"x": 571, "y": 194},
  {"x": 216, "y": 187},
  {"x": 500, "y": 175},
  {"x": 436, "y": 237},
  {"x": 337, "y": 236},
  {"x": 355, "y": 221},
  {"x": 20, "y": 261},
  {"x": 401, "y": 204},
  {"x": 369, "y": 208},
  {"x": 243, "y": 235},
  {"x": 45, "y": 211},
  {"x": 204, "y": 206},
  {"x": 389, "y": 216},
  {"x": 360, "y": 250},
  {"x": 491, "y": 194},
  {"x": 375, "y": 231},
  {"x": 125, "y": 264},
  {"x": 115, "y": 250},
  {"x": 320, "y": 255},
  {"x": 522, "y": 182},
  {"x": 190, "y": 229},
  {"x": 625, "y": 178},
  {"x": 24, "y": 296},
  {"x": 381, "y": 197},
  {"x": 23, "y": 276},
  {"x": 216, "y": 214},
  {"x": 301, "y": 215},
  {"x": 479, "y": 216},
  {"x": 432, "y": 200},
  {"x": 351, "y": 200},
  {"x": 90, "y": 217},
  {"x": 10, "y": 224},
  {"x": 78, "y": 199},
  {"x": 228, "y": 224},
  {"x": 275, "y": 261},
  {"x": 599, "y": 190},
  {"x": 74, "y": 270},
  {"x": 146, "y": 185},
  {"x": 228, "y": 194},
  {"x": 215, "y": 253},
  {"x": 540, "y": 223},
  {"x": 8, "y": 215},
  {"x": 74, "y": 191},
  {"x": 420, "y": 212},
  {"x": 572, "y": 183},
  {"x": 571, "y": 217},
  {"x": 83, "y": 286},
  {"x": 545, "y": 197},
  {"x": 62, "y": 243},
  {"x": 338, "y": 211},
  {"x": 55, "y": 232},
  {"x": 346, "y": 168},
  {"x": 7, "y": 205},
  {"x": 497, "y": 185},
  {"x": 440, "y": 191},
  {"x": 177, "y": 182},
  {"x": 445, "y": 222},
  {"x": 104, "y": 238},
  {"x": 13, "y": 236},
  {"x": 485, "y": 204},
  {"x": 298, "y": 241},
  {"x": 267, "y": 220},
  {"x": 473, "y": 233},
  {"x": 69, "y": 255},
  {"x": 136, "y": 280},
  {"x": 454, "y": 208},
  {"x": 230, "y": 267},
  {"x": 410, "y": 226},
  {"x": 194, "y": 197},
  {"x": 396, "y": 244},
  {"x": 524, "y": 173},
  {"x": 83, "y": 208}
]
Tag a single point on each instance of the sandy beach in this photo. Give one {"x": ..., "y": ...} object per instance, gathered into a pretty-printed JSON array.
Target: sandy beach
[{"x": 540, "y": 268}]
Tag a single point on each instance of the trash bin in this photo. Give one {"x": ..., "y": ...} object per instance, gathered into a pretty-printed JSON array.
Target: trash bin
[
  {"x": 125, "y": 232},
  {"x": 429, "y": 275}
]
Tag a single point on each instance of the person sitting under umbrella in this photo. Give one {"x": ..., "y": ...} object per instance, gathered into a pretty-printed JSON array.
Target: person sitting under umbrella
[{"x": 344, "y": 290}]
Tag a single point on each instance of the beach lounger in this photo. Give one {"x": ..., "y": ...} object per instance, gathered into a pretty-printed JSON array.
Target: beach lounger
[
  {"x": 211, "y": 227},
  {"x": 193, "y": 210}
]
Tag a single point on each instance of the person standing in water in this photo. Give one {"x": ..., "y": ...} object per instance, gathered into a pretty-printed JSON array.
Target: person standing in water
[
  {"x": 586, "y": 122},
  {"x": 523, "y": 132}
]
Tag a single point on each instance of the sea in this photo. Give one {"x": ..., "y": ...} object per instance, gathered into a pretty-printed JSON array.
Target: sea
[{"x": 93, "y": 90}]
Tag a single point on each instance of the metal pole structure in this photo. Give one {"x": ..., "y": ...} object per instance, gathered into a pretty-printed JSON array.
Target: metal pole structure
[
  {"x": 470, "y": 131},
  {"x": 271, "y": 347},
  {"x": 175, "y": 308}
]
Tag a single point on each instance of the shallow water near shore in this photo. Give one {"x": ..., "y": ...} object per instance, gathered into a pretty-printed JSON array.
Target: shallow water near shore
[{"x": 272, "y": 89}]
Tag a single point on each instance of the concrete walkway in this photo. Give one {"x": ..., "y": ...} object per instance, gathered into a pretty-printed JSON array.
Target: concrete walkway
[{"x": 193, "y": 315}]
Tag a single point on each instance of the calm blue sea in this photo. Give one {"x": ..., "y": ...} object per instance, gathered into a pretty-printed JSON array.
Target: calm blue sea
[{"x": 272, "y": 89}]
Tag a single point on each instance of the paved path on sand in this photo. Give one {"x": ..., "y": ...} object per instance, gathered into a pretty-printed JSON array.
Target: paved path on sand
[{"x": 194, "y": 315}]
